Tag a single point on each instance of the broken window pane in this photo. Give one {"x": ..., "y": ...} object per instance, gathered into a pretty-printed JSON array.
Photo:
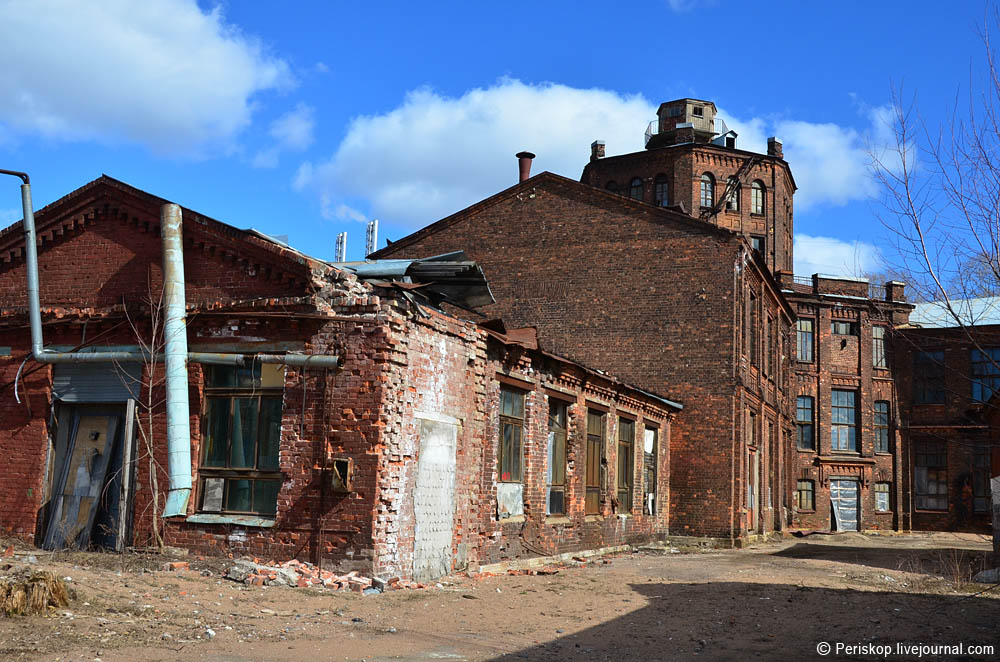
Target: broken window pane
[
  {"x": 239, "y": 497},
  {"x": 270, "y": 433},
  {"x": 217, "y": 432}
]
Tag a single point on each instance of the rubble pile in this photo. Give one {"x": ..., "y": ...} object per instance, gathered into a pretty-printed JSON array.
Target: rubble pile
[{"x": 301, "y": 574}]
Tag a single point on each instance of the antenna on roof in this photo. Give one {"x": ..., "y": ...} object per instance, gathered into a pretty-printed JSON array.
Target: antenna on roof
[
  {"x": 340, "y": 253},
  {"x": 371, "y": 237}
]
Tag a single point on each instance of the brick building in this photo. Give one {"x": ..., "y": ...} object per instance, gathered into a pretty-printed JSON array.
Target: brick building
[
  {"x": 430, "y": 444},
  {"x": 650, "y": 294}
]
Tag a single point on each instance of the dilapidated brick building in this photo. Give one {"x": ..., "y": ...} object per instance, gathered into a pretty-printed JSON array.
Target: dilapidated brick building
[{"x": 397, "y": 455}]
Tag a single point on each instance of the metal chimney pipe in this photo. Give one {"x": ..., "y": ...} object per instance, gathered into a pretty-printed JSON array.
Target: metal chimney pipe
[
  {"x": 524, "y": 165},
  {"x": 175, "y": 359}
]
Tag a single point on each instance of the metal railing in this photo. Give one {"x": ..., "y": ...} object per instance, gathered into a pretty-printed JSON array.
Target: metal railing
[
  {"x": 802, "y": 280},
  {"x": 876, "y": 291},
  {"x": 652, "y": 129}
]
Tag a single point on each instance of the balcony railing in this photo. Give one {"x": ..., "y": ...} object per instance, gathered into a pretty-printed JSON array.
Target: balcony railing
[{"x": 651, "y": 130}]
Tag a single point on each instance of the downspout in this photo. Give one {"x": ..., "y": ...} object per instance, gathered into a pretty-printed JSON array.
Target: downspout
[
  {"x": 175, "y": 361},
  {"x": 175, "y": 332}
]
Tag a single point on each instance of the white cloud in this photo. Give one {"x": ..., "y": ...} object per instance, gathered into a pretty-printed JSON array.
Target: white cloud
[
  {"x": 681, "y": 6},
  {"x": 161, "y": 73},
  {"x": 293, "y": 131},
  {"x": 434, "y": 155},
  {"x": 828, "y": 255}
]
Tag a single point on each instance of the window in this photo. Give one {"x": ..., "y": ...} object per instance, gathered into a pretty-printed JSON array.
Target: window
[
  {"x": 881, "y": 426},
  {"x": 882, "y": 500},
  {"x": 242, "y": 433},
  {"x": 804, "y": 421},
  {"x": 981, "y": 481},
  {"x": 843, "y": 429},
  {"x": 804, "y": 337},
  {"x": 626, "y": 449},
  {"x": 650, "y": 448},
  {"x": 707, "y": 190},
  {"x": 757, "y": 199},
  {"x": 698, "y": 111},
  {"x": 839, "y": 328},
  {"x": 611, "y": 186},
  {"x": 878, "y": 347},
  {"x": 753, "y": 329},
  {"x": 804, "y": 495},
  {"x": 930, "y": 469},
  {"x": 768, "y": 342},
  {"x": 660, "y": 191},
  {"x": 595, "y": 447},
  {"x": 928, "y": 378},
  {"x": 556, "y": 472},
  {"x": 635, "y": 189},
  {"x": 509, "y": 460},
  {"x": 733, "y": 189},
  {"x": 985, "y": 373},
  {"x": 757, "y": 242}
]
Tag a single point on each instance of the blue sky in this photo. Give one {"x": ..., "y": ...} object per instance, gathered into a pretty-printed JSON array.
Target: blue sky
[{"x": 311, "y": 118}]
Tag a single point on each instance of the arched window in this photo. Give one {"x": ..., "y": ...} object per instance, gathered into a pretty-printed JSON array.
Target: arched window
[
  {"x": 635, "y": 188},
  {"x": 611, "y": 186},
  {"x": 757, "y": 198},
  {"x": 707, "y": 190},
  {"x": 660, "y": 190},
  {"x": 735, "y": 190}
]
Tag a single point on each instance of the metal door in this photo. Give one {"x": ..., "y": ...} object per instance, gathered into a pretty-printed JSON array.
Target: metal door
[
  {"x": 434, "y": 500},
  {"x": 844, "y": 502}
]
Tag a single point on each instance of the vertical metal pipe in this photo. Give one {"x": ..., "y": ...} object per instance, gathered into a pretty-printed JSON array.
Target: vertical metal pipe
[
  {"x": 175, "y": 359},
  {"x": 31, "y": 255}
]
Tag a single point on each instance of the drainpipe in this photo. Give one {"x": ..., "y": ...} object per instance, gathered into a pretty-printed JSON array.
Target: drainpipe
[
  {"x": 175, "y": 360},
  {"x": 175, "y": 332}
]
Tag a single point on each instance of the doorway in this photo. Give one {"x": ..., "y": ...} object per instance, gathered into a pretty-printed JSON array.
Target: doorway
[{"x": 844, "y": 504}]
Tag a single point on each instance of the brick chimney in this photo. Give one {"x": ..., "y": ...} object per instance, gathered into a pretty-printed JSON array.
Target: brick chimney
[
  {"x": 774, "y": 147},
  {"x": 895, "y": 291},
  {"x": 524, "y": 165},
  {"x": 596, "y": 150}
]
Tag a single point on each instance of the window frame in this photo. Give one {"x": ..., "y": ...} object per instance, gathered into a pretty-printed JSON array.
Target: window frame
[
  {"x": 227, "y": 472},
  {"x": 880, "y": 359},
  {"x": 758, "y": 198},
  {"x": 597, "y": 425},
  {"x": 651, "y": 470},
  {"x": 839, "y": 427},
  {"x": 984, "y": 372},
  {"x": 932, "y": 457},
  {"x": 625, "y": 474},
  {"x": 802, "y": 424},
  {"x": 928, "y": 378},
  {"x": 706, "y": 191},
  {"x": 634, "y": 188},
  {"x": 837, "y": 328},
  {"x": 800, "y": 333},
  {"x": 882, "y": 426},
  {"x": 733, "y": 201},
  {"x": 887, "y": 491},
  {"x": 661, "y": 190},
  {"x": 557, "y": 456},
  {"x": 805, "y": 486},
  {"x": 515, "y": 424}
]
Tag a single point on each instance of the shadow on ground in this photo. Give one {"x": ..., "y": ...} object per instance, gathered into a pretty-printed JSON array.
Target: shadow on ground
[
  {"x": 729, "y": 620},
  {"x": 949, "y": 562}
]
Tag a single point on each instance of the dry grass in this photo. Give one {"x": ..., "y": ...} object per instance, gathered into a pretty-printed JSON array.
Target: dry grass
[{"x": 34, "y": 595}]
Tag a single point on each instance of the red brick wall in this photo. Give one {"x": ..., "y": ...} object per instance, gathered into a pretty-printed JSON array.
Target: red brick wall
[{"x": 623, "y": 289}]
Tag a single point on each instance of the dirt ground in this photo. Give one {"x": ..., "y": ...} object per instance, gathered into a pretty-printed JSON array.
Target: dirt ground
[{"x": 775, "y": 601}]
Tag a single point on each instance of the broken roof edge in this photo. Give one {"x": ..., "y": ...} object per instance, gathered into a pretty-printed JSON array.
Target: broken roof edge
[{"x": 518, "y": 337}]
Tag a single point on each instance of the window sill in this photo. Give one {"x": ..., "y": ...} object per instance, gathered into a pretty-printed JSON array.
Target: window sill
[
  {"x": 885, "y": 453},
  {"x": 513, "y": 519},
  {"x": 594, "y": 518},
  {"x": 558, "y": 519},
  {"x": 806, "y": 450},
  {"x": 943, "y": 511},
  {"x": 805, "y": 512},
  {"x": 883, "y": 512},
  {"x": 241, "y": 520}
]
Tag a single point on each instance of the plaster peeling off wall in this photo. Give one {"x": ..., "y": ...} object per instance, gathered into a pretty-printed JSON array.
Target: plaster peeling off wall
[
  {"x": 510, "y": 499},
  {"x": 434, "y": 498}
]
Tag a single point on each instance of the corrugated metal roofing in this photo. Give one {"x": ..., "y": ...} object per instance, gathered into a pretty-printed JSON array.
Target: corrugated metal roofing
[{"x": 935, "y": 314}]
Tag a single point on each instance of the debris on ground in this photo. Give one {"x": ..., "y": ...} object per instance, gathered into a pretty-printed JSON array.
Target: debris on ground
[
  {"x": 302, "y": 574},
  {"x": 31, "y": 593}
]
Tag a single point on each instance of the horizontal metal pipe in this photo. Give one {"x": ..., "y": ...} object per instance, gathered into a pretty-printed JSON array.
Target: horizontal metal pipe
[{"x": 211, "y": 358}]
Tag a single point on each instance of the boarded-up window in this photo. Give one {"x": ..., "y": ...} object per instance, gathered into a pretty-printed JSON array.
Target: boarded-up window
[
  {"x": 595, "y": 451},
  {"x": 242, "y": 434},
  {"x": 556, "y": 471},
  {"x": 804, "y": 495},
  {"x": 511, "y": 431},
  {"x": 626, "y": 451},
  {"x": 930, "y": 476}
]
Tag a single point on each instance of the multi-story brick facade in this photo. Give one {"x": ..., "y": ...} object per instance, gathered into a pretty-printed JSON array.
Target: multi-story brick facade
[
  {"x": 387, "y": 463},
  {"x": 846, "y": 458},
  {"x": 667, "y": 302}
]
